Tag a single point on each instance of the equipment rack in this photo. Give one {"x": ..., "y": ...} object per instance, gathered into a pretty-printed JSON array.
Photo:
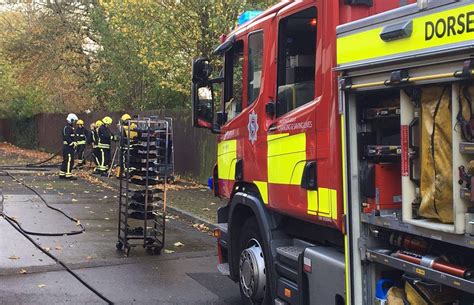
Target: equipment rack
[{"x": 142, "y": 198}]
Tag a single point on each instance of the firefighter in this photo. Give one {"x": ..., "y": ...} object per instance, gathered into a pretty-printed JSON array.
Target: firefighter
[
  {"x": 69, "y": 145},
  {"x": 82, "y": 135},
  {"x": 124, "y": 122},
  {"x": 127, "y": 135},
  {"x": 95, "y": 145},
  {"x": 90, "y": 137},
  {"x": 105, "y": 140}
]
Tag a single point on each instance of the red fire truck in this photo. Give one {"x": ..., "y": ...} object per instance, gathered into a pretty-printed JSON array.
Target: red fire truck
[{"x": 345, "y": 150}]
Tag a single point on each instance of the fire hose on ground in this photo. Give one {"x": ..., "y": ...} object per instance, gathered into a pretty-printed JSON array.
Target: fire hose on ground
[{"x": 27, "y": 234}]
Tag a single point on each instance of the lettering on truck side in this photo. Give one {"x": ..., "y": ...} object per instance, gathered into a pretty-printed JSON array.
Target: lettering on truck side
[{"x": 450, "y": 26}]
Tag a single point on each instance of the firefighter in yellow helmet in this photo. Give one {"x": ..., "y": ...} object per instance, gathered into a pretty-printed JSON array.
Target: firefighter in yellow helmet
[
  {"x": 105, "y": 141},
  {"x": 82, "y": 134},
  {"x": 128, "y": 133},
  {"x": 124, "y": 123},
  {"x": 95, "y": 145}
]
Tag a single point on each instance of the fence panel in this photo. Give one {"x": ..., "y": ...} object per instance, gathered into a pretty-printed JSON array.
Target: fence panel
[{"x": 195, "y": 149}]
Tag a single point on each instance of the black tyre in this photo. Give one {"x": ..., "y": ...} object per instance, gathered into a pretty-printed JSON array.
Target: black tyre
[{"x": 254, "y": 282}]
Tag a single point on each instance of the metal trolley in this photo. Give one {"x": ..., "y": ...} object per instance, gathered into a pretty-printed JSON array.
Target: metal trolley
[
  {"x": 144, "y": 149},
  {"x": 167, "y": 168}
]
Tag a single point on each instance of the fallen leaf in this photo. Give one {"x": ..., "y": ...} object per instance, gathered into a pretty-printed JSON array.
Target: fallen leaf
[
  {"x": 41, "y": 285},
  {"x": 106, "y": 218},
  {"x": 206, "y": 209},
  {"x": 178, "y": 244},
  {"x": 78, "y": 223},
  {"x": 105, "y": 197},
  {"x": 86, "y": 192},
  {"x": 14, "y": 257},
  {"x": 168, "y": 251},
  {"x": 92, "y": 212},
  {"x": 86, "y": 207},
  {"x": 47, "y": 249},
  {"x": 212, "y": 203},
  {"x": 89, "y": 257},
  {"x": 201, "y": 227},
  {"x": 22, "y": 271},
  {"x": 74, "y": 200},
  {"x": 58, "y": 248}
]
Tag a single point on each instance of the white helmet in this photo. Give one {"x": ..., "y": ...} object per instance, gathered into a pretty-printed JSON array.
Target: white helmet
[{"x": 71, "y": 118}]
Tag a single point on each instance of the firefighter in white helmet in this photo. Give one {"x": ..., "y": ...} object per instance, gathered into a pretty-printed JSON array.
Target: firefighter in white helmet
[{"x": 69, "y": 145}]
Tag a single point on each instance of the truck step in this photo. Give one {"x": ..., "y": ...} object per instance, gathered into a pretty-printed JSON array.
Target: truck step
[
  {"x": 280, "y": 302},
  {"x": 286, "y": 271},
  {"x": 224, "y": 269},
  {"x": 290, "y": 252}
]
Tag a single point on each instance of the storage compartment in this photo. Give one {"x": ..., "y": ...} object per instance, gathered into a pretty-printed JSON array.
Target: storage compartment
[
  {"x": 392, "y": 287},
  {"x": 415, "y": 155},
  {"x": 415, "y": 168},
  {"x": 407, "y": 261},
  {"x": 434, "y": 199},
  {"x": 379, "y": 151}
]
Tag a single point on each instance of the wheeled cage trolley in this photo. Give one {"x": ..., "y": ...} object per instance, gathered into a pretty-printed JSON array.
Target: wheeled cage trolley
[{"x": 144, "y": 146}]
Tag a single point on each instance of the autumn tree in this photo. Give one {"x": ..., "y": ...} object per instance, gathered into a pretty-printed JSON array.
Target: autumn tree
[
  {"x": 48, "y": 43},
  {"x": 148, "y": 46},
  {"x": 60, "y": 56}
]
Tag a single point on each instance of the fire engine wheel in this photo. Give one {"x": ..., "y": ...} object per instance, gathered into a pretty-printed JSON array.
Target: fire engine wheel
[{"x": 253, "y": 281}]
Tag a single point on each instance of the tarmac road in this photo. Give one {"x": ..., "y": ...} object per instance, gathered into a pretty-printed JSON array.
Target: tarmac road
[{"x": 184, "y": 275}]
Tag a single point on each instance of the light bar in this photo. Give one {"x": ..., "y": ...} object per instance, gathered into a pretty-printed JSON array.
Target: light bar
[{"x": 248, "y": 15}]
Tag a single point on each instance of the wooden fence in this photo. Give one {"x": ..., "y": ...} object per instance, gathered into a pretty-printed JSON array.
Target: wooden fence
[{"x": 195, "y": 149}]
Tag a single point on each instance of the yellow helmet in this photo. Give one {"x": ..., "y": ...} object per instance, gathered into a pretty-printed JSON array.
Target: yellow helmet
[
  {"x": 107, "y": 120},
  {"x": 125, "y": 117},
  {"x": 99, "y": 123},
  {"x": 80, "y": 122}
]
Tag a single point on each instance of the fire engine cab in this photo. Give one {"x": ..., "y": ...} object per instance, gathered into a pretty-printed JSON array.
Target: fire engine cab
[{"x": 346, "y": 152}]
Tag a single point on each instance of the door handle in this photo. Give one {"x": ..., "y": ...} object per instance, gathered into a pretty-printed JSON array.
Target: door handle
[{"x": 309, "y": 180}]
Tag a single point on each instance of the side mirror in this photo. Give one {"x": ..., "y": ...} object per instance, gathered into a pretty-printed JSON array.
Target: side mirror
[
  {"x": 203, "y": 105},
  {"x": 202, "y": 70}
]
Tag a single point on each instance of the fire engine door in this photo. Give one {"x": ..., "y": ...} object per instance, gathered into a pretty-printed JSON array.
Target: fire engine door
[{"x": 292, "y": 130}]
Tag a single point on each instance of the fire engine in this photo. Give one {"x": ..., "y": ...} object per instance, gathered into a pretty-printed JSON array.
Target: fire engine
[{"x": 345, "y": 151}]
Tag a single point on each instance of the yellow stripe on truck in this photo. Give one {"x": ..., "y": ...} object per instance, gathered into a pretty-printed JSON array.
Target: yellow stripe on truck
[
  {"x": 285, "y": 152},
  {"x": 322, "y": 202},
  {"x": 344, "y": 206},
  {"x": 263, "y": 189},
  {"x": 431, "y": 31},
  {"x": 226, "y": 159}
]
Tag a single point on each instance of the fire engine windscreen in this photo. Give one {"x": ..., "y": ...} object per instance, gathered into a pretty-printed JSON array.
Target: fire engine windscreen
[
  {"x": 436, "y": 154},
  {"x": 296, "y": 60}
]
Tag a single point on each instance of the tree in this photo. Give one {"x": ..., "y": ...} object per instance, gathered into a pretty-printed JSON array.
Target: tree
[
  {"x": 48, "y": 43},
  {"x": 148, "y": 46},
  {"x": 62, "y": 56}
]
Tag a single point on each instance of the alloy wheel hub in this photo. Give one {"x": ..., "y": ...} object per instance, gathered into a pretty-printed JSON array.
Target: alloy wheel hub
[{"x": 252, "y": 271}]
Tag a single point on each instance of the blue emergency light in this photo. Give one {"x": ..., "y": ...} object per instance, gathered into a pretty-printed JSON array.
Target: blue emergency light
[{"x": 248, "y": 15}]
